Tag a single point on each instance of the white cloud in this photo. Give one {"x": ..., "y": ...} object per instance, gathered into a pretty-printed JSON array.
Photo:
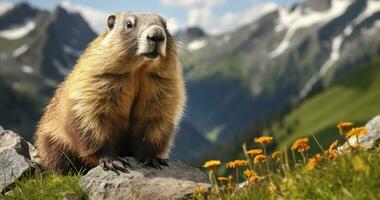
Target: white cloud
[
  {"x": 96, "y": 18},
  {"x": 5, "y": 6},
  {"x": 199, "y": 16},
  {"x": 172, "y": 24},
  {"x": 201, "y": 13},
  {"x": 193, "y": 3},
  {"x": 256, "y": 11},
  {"x": 232, "y": 20},
  {"x": 225, "y": 23}
]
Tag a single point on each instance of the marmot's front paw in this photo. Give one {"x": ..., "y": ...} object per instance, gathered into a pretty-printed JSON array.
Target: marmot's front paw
[
  {"x": 115, "y": 164},
  {"x": 151, "y": 161}
]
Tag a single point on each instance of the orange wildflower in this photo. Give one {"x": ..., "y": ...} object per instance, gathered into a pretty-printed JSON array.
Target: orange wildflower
[
  {"x": 313, "y": 162},
  {"x": 276, "y": 155},
  {"x": 251, "y": 176},
  {"x": 248, "y": 173},
  {"x": 356, "y": 132},
  {"x": 334, "y": 145},
  {"x": 301, "y": 145},
  {"x": 343, "y": 125},
  {"x": 223, "y": 178},
  {"x": 237, "y": 163},
  {"x": 255, "y": 152},
  {"x": 264, "y": 140},
  {"x": 259, "y": 159}
]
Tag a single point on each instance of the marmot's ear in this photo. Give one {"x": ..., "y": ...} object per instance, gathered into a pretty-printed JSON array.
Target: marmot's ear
[{"x": 111, "y": 22}]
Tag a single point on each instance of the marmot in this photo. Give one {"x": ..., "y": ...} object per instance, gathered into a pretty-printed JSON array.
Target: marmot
[{"x": 124, "y": 97}]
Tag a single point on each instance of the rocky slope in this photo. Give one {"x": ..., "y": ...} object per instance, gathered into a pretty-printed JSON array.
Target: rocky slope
[{"x": 37, "y": 50}]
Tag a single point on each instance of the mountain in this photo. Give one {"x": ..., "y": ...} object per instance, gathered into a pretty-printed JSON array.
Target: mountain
[
  {"x": 251, "y": 74},
  {"x": 37, "y": 50},
  {"x": 189, "y": 144},
  {"x": 234, "y": 80},
  {"x": 354, "y": 97}
]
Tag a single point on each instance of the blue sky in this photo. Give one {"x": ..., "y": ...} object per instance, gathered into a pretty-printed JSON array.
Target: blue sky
[{"x": 214, "y": 16}]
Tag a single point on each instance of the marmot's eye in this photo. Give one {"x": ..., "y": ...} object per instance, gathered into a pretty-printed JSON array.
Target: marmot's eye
[
  {"x": 111, "y": 22},
  {"x": 129, "y": 24}
]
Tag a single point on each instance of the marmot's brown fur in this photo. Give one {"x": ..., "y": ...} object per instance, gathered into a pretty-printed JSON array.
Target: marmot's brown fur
[{"x": 124, "y": 97}]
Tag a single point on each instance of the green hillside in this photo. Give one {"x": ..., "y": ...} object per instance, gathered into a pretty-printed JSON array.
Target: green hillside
[{"x": 355, "y": 98}]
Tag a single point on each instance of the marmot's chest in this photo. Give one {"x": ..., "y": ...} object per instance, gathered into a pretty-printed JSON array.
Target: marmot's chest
[{"x": 140, "y": 95}]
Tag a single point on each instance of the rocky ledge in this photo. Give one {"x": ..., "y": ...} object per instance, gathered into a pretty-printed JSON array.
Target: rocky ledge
[
  {"x": 369, "y": 140},
  {"x": 17, "y": 158},
  {"x": 177, "y": 181}
]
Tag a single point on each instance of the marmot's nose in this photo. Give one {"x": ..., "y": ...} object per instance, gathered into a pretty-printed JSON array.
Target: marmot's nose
[{"x": 155, "y": 35}]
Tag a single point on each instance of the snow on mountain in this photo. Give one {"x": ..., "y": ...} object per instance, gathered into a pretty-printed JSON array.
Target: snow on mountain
[
  {"x": 27, "y": 69},
  {"x": 373, "y": 6},
  {"x": 197, "y": 45},
  {"x": 69, "y": 50},
  {"x": 61, "y": 68},
  {"x": 292, "y": 21},
  {"x": 19, "y": 51},
  {"x": 95, "y": 18},
  {"x": 18, "y": 32},
  {"x": 334, "y": 56}
]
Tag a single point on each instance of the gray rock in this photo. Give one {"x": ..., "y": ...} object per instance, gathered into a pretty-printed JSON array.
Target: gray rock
[
  {"x": 15, "y": 158},
  {"x": 368, "y": 141},
  {"x": 178, "y": 181}
]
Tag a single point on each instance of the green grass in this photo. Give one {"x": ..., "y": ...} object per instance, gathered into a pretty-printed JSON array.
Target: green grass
[
  {"x": 355, "y": 98},
  {"x": 46, "y": 186},
  {"x": 352, "y": 176}
]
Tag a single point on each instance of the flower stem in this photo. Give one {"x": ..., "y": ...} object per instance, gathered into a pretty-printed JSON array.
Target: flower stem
[
  {"x": 247, "y": 156},
  {"x": 237, "y": 178},
  {"x": 214, "y": 182},
  {"x": 267, "y": 163},
  {"x": 294, "y": 158},
  {"x": 304, "y": 158},
  {"x": 319, "y": 144}
]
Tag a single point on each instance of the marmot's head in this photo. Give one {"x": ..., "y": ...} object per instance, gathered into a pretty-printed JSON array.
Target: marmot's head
[{"x": 138, "y": 38}]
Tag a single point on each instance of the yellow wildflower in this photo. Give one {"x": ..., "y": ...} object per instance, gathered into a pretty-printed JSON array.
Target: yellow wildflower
[
  {"x": 313, "y": 162},
  {"x": 237, "y": 163},
  {"x": 255, "y": 152},
  {"x": 259, "y": 159},
  {"x": 301, "y": 145},
  {"x": 264, "y": 140},
  {"x": 211, "y": 164},
  {"x": 356, "y": 132},
  {"x": 276, "y": 155}
]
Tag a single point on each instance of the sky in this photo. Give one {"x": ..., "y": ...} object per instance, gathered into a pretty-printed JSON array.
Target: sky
[{"x": 214, "y": 16}]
